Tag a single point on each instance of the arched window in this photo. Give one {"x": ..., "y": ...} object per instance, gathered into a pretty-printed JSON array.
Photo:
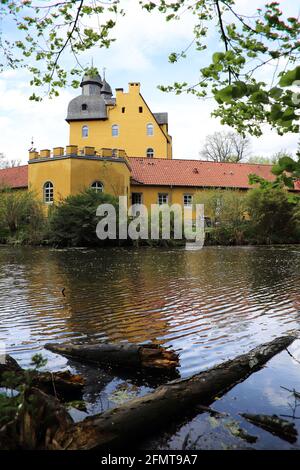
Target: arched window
[
  {"x": 97, "y": 186},
  {"x": 150, "y": 129},
  {"x": 115, "y": 130},
  {"x": 150, "y": 153},
  {"x": 85, "y": 131},
  {"x": 48, "y": 192},
  {"x": 84, "y": 107}
]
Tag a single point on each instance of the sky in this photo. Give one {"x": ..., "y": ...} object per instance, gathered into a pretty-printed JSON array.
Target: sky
[{"x": 140, "y": 53}]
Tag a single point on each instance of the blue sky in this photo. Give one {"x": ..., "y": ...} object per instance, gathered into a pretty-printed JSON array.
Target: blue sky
[{"x": 140, "y": 54}]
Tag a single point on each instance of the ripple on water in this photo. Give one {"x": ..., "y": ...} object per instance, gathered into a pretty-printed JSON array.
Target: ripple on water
[{"x": 209, "y": 305}]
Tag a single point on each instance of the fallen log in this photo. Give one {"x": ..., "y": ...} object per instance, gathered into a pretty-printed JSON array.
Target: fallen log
[
  {"x": 275, "y": 425},
  {"x": 64, "y": 385},
  {"x": 148, "y": 356},
  {"x": 168, "y": 403}
]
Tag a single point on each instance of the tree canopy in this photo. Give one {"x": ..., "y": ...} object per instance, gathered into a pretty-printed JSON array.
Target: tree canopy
[
  {"x": 8, "y": 163},
  {"x": 225, "y": 147},
  {"x": 263, "y": 43}
]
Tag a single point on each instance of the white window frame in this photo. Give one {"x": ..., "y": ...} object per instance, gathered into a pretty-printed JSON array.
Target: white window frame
[
  {"x": 115, "y": 130},
  {"x": 97, "y": 186},
  {"x": 150, "y": 129},
  {"x": 185, "y": 203},
  {"x": 84, "y": 132},
  {"x": 48, "y": 192},
  {"x": 163, "y": 198},
  {"x": 150, "y": 152}
]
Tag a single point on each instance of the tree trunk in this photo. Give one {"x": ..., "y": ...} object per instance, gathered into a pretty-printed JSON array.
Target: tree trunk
[
  {"x": 64, "y": 385},
  {"x": 148, "y": 356},
  {"x": 168, "y": 403}
]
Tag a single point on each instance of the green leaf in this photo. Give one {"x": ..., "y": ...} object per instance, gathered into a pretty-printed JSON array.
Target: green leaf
[
  {"x": 276, "y": 112},
  {"x": 288, "y": 78},
  {"x": 231, "y": 92},
  {"x": 260, "y": 97},
  {"x": 217, "y": 57},
  {"x": 287, "y": 163},
  {"x": 275, "y": 93},
  {"x": 226, "y": 94}
]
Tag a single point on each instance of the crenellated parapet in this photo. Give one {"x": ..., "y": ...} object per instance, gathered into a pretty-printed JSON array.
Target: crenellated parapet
[
  {"x": 72, "y": 169},
  {"x": 75, "y": 151}
]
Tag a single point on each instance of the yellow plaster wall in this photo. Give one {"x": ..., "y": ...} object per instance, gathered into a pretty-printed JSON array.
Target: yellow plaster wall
[
  {"x": 72, "y": 175},
  {"x": 175, "y": 195},
  {"x": 57, "y": 171},
  {"x": 115, "y": 176},
  {"x": 150, "y": 193},
  {"x": 132, "y": 128}
]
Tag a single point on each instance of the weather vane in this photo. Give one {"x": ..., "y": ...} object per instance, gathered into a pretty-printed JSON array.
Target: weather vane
[{"x": 32, "y": 144}]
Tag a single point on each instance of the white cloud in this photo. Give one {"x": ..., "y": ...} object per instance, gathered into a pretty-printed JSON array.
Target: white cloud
[
  {"x": 21, "y": 119},
  {"x": 140, "y": 53},
  {"x": 141, "y": 37}
]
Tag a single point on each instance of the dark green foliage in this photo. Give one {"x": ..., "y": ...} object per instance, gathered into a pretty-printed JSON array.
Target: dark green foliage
[
  {"x": 73, "y": 221},
  {"x": 21, "y": 217},
  {"x": 14, "y": 400},
  {"x": 273, "y": 216},
  {"x": 227, "y": 235},
  {"x": 268, "y": 214},
  {"x": 288, "y": 170},
  {"x": 8, "y": 408}
]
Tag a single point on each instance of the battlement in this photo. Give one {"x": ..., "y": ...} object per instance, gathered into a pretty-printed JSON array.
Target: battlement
[{"x": 75, "y": 151}]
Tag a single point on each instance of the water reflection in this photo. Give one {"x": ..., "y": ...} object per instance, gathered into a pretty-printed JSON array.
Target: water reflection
[{"x": 208, "y": 305}]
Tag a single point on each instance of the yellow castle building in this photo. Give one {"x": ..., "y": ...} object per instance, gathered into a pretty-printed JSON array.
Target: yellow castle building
[{"x": 119, "y": 146}]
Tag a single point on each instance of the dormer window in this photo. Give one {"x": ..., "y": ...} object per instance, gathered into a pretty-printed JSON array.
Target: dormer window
[{"x": 84, "y": 107}]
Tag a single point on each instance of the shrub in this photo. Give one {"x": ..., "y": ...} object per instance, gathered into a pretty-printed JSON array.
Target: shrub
[
  {"x": 73, "y": 221},
  {"x": 264, "y": 215},
  {"x": 227, "y": 211},
  {"x": 21, "y": 217},
  {"x": 273, "y": 215}
]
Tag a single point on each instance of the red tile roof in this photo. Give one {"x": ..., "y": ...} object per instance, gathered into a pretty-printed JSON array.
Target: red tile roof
[
  {"x": 199, "y": 173},
  {"x": 163, "y": 172},
  {"x": 16, "y": 177}
]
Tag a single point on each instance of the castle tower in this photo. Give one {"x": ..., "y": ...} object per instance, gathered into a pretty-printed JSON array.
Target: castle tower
[{"x": 100, "y": 120}]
